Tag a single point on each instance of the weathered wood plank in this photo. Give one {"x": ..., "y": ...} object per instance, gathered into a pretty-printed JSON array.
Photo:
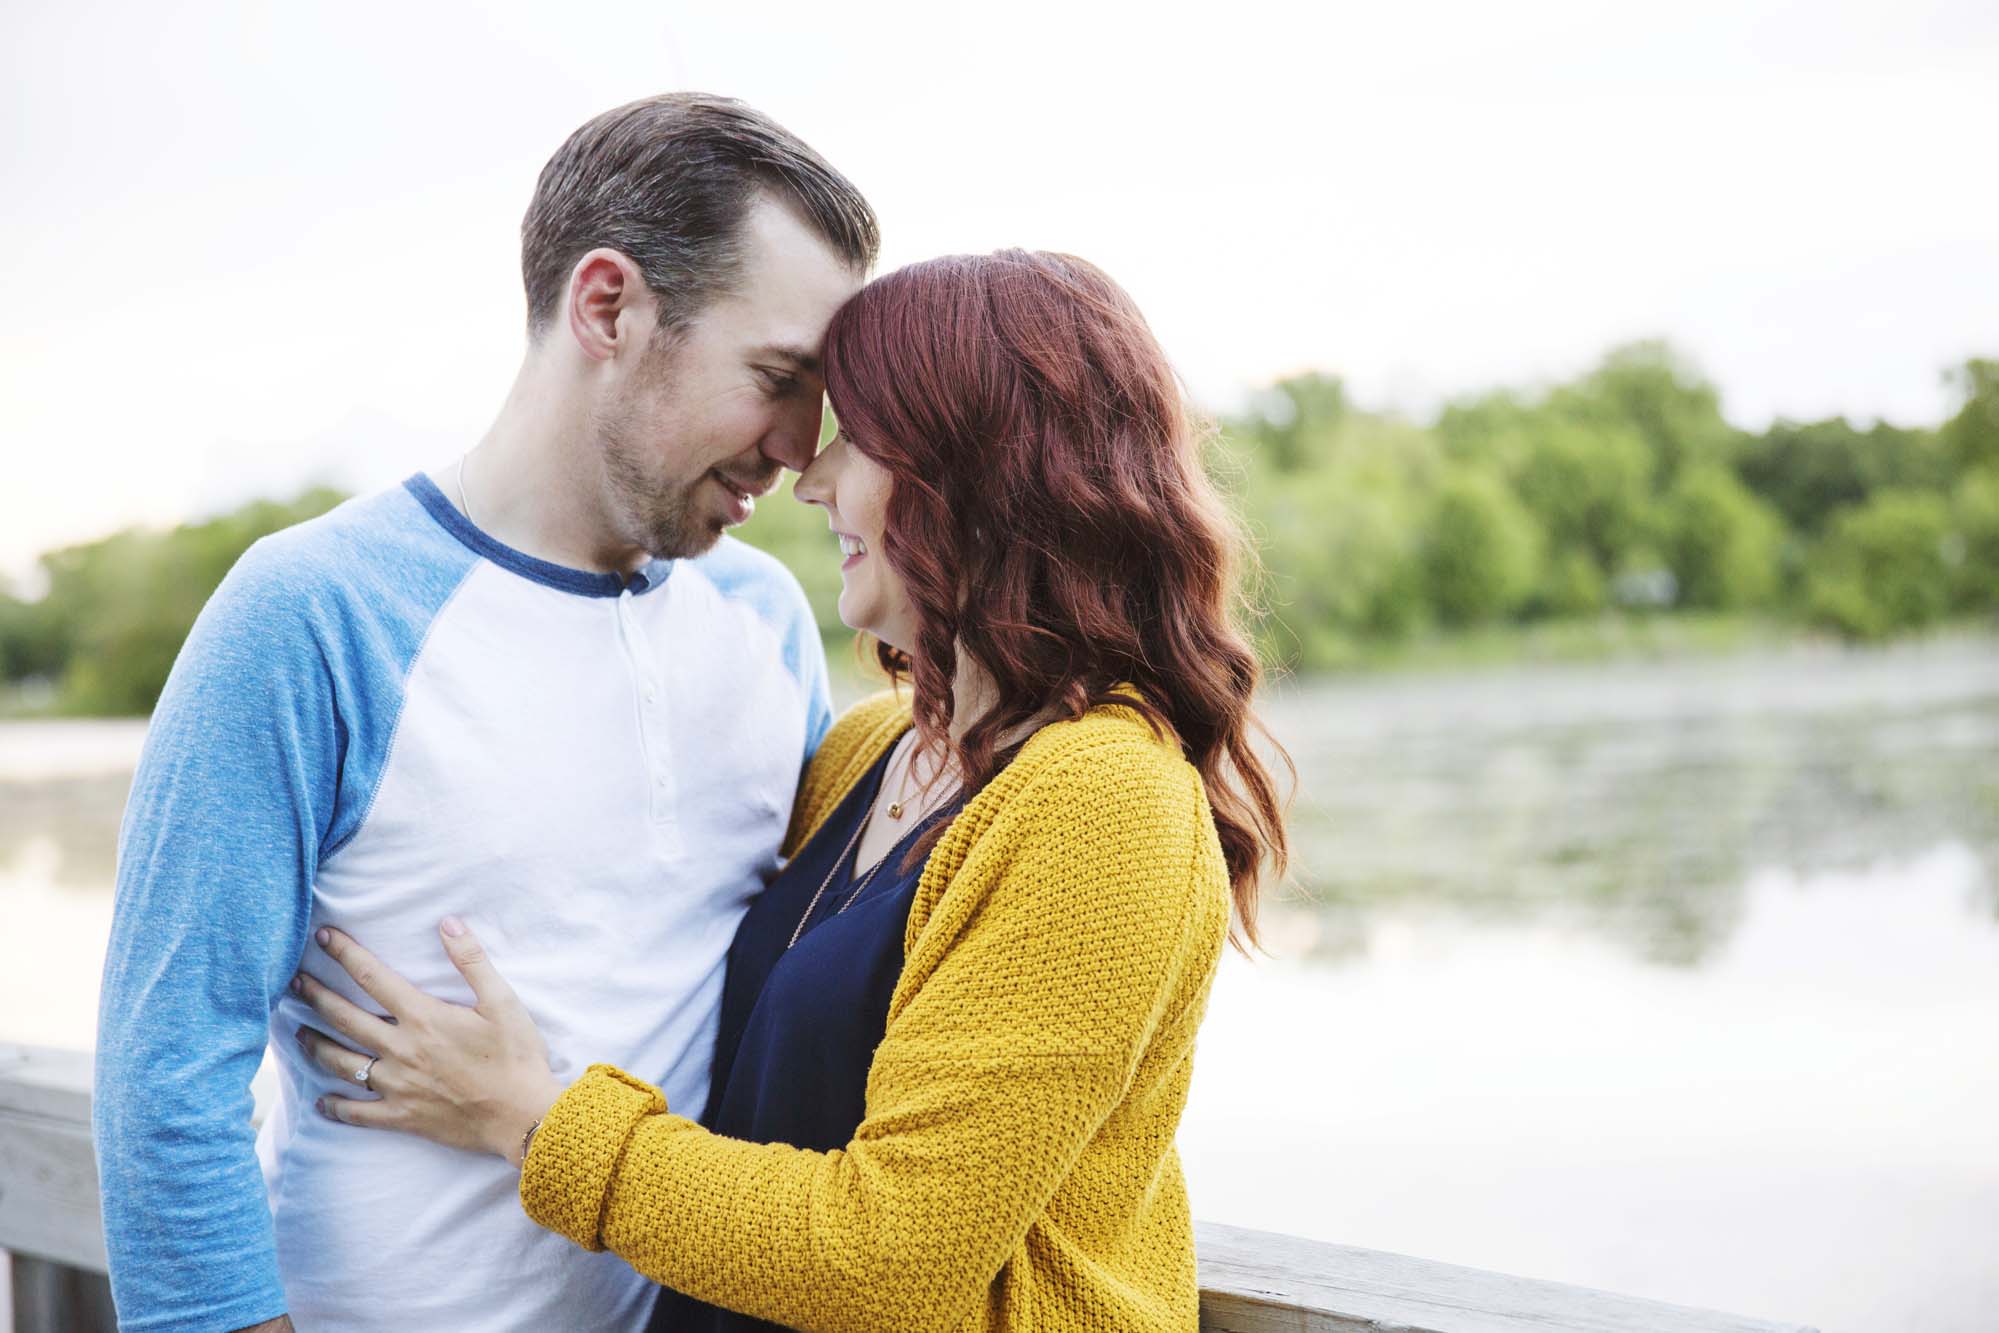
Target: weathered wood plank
[
  {"x": 40, "y": 1080},
  {"x": 1263, "y": 1282},
  {"x": 54, "y": 1298},
  {"x": 1251, "y": 1281},
  {"x": 48, "y": 1174}
]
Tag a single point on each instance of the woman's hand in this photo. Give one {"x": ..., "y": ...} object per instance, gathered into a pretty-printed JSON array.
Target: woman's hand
[{"x": 473, "y": 1077}]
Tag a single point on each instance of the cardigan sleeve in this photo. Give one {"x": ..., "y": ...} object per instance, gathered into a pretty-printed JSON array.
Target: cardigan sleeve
[{"x": 1017, "y": 1043}]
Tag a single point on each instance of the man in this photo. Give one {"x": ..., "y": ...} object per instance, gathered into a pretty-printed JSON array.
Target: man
[{"x": 538, "y": 691}]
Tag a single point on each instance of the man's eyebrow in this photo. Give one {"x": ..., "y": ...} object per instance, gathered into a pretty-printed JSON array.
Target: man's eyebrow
[{"x": 799, "y": 358}]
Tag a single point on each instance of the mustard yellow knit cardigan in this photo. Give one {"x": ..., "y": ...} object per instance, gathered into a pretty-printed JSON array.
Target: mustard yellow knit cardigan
[{"x": 1015, "y": 1167}]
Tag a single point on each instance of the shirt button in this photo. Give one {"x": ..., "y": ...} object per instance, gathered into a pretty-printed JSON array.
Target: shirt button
[{"x": 649, "y": 694}]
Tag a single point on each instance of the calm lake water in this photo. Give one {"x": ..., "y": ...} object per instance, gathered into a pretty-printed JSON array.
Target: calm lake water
[{"x": 1677, "y": 979}]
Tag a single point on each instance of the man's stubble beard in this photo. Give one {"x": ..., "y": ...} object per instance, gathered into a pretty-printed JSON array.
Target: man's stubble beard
[{"x": 651, "y": 513}]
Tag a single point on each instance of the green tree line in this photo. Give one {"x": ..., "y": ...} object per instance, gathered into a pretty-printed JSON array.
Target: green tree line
[
  {"x": 1624, "y": 492},
  {"x": 105, "y": 632}
]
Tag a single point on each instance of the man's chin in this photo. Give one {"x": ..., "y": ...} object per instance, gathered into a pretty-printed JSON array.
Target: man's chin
[
  {"x": 714, "y": 525},
  {"x": 688, "y": 540},
  {"x": 689, "y": 529}
]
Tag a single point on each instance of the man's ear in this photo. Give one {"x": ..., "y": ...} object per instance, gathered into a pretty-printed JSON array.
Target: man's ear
[{"x": 603, "y": 285}]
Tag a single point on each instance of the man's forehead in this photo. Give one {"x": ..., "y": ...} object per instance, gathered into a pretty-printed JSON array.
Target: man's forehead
[
  {"x": 791, "y": 283},
  {"x": 769, "y": 327}
]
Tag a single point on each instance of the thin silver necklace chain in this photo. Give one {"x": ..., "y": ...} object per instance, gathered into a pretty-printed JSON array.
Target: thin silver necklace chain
[{"x": 464, "y": 503}]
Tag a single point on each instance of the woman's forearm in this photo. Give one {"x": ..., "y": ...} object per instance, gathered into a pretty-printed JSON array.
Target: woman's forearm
[{"x": 904, "y": 1228}]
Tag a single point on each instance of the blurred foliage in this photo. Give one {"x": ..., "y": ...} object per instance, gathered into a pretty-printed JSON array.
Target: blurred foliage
[
  {"x": 1640, "y": 499},
  {"x": 1339, "y": 529},
  {"x": 1721, "y": 541},
  {"x": 1621, "y": 499},
  {"x": 1481, "y": 551},
  {"x": 1971, "y": 438},
  {"x": 1811, "y": 470},
  {"x": 1648, "y": 388},
  {"x": 1885, "y": 566},
  {"x": 116, "y": 610},
  {"x": 1975, "y": 518}
]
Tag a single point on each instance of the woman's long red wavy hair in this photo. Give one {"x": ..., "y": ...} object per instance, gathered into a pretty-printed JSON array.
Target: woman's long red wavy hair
[{"x": 1050, "y": 517}]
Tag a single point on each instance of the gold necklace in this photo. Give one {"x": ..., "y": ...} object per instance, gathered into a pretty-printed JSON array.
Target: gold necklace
[
  {"x": 840, "y": 861},
  {"x": 895, "y": 808},
  {"x": 838, "y": 864}
]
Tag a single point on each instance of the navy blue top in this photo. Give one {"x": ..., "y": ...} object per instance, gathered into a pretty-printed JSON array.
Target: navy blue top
[{"x": 800, "y": 1025}]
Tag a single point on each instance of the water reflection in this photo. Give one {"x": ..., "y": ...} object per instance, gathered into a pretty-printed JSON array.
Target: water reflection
[
  {"x": 1633, "y": 800},
  {"x": 1801, "y": 1129},
  {"x": 62, "y": 790},
  {"x": 62, "y": 830}
]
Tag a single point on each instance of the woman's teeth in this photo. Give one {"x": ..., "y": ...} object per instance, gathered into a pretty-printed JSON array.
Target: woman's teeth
[{"x": 852, "y": 545}]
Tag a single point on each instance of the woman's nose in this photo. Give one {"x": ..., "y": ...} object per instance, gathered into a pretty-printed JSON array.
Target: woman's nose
[{"x": 812, "y": 487}]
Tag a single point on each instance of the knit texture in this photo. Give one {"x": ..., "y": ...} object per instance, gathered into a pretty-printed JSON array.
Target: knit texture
[{"x": 1015, "y": 1168}]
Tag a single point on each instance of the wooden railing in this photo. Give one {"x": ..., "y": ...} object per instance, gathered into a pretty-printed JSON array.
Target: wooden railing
[{"x": 1251, "y": 1281}]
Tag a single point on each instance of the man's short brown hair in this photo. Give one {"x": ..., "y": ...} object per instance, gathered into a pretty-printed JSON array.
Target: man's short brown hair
[{"x": 668, "y": 181}]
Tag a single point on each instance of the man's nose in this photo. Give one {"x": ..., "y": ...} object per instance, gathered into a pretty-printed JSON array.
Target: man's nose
[{"x": 796, "y": 438}]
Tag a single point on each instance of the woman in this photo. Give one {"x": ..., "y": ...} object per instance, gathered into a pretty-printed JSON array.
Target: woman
[{"x": 957, "y": 1031}]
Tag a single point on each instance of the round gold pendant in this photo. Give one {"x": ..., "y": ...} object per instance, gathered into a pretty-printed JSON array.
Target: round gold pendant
[{"x": 895, "y": 809}]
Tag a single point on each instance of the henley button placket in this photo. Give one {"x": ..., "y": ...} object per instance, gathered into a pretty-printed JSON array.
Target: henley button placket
[{"x": 654, "y": 744}]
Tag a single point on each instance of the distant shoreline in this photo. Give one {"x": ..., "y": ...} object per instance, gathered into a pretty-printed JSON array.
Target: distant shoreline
[{"x": 1609, "y": 639}]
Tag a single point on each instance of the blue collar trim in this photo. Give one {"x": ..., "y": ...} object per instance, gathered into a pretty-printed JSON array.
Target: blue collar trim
[{"x": 583, "y": 582}]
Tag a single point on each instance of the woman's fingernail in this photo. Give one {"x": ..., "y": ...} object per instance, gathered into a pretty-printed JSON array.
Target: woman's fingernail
[
  {"x": 319, "y": 1105},
  {"x": 324, "y": 936},
  {"x": 453, "y": 926},
  {"x": 298, "y": 984}
]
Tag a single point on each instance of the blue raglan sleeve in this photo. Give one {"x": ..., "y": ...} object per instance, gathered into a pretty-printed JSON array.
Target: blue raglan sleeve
[
  {"x": 785, "y": 605},
  {"x": 233, "y": 799},
  {"x": 756, "y": 576},
  {"x": 809, "y": 651}
]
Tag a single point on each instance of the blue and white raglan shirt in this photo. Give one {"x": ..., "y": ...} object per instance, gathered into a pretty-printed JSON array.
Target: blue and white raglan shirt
[{"x": 384, "y": 716}]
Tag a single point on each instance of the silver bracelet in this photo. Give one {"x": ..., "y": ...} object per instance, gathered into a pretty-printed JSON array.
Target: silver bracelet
[{"x": 527, "y": 1139}]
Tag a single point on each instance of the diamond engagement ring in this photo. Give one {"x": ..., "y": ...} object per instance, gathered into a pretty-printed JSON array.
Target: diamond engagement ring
[{"x": 361, "y": 1074}]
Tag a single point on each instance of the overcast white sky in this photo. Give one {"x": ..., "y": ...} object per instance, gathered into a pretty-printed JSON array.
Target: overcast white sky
[{"x": 246, "y": 245}]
